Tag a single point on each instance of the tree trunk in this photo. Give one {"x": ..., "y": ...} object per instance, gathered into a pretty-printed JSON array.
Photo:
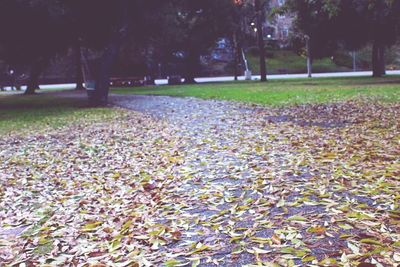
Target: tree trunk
[
  {"x": 235, "y": 57},
  {"x": 378, "y": 60},
  {"x": 78, "y": 64},
  {"x": 189, "y": 80},
  {"x": 382, "y": 65},
  {"x": 239, "y": 59},
  {"x": 260, "y": 39},
  {"x": 149, "y": 80},
  {"x": 375, "y": 71},
  {"x": 192, "y": 63},
  {"x": 33, "y": 83},
  {"x": 99, "y": 96}
]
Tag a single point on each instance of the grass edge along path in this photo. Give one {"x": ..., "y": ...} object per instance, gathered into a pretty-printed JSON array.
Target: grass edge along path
[
  {"x": 286, "y": 92},
  {"x": 47, "y": 111}
]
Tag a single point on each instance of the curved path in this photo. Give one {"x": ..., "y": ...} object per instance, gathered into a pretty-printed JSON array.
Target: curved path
[
  {"x": 262, "y": 181},
  {"x": 190, "y": 182}
]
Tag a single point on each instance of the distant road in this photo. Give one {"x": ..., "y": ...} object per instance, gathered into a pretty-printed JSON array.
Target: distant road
[
  {"x": 296, "y": 76},
  {"x": 289, "y": 76},
  {"x": 255, "y": 77}
]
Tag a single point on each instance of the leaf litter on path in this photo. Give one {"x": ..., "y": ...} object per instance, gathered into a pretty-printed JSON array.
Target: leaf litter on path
[{"x": 209, "y": 183}]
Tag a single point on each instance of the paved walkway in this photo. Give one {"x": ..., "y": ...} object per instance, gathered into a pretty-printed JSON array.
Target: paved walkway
[
  {"x": 218, "y": 141},
  {"x": 247, "y": 178}
]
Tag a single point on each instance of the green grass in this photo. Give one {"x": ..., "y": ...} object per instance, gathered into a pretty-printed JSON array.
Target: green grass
[
  {"x": 283, "y": 92},
  {"x": 21, "y": 114},
  {"x": 284, "y": 61}
]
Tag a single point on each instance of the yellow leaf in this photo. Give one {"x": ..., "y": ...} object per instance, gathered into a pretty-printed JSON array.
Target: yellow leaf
[
  {"x": 200, "y": 249},
  {"x": 328, "y": 262},
  {"x": 276, "y": 239},
  {"x": 317, "y": 230},
  {"x": 346, "y": 226},
  {"x": 260, "y": 251},
  {"x": 371, "y": 242},
  {"x": 297, "y": 219},
  {"x": 116, "y": 175},
  {"x": 90, "y": 227},
  {"x": 308, "y": 259}
]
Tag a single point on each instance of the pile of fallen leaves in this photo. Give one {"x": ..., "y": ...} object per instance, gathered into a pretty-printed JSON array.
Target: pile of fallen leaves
[
  {"x": 314, "y": 185},
  {"x": 87, "y": 194}
]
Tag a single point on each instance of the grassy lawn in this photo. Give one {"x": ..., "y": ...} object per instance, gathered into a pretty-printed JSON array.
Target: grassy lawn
[
  {"x": 283, "y": 92},
  {"x": 45, "y": 111}
]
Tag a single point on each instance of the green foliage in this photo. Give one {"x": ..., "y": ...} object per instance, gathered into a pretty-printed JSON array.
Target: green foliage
[
  {"x": 190, "y": 28},
  {"x": 350, "y": 23},
  {"x": 314, "y": 20},
  {"x": 363, "y": 58},
  {"x": 286, "y": 61}
]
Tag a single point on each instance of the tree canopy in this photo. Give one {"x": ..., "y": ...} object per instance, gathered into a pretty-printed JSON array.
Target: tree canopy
[
  {"x": 348, "y": 23},
  {"x": 149, "y": 31}
]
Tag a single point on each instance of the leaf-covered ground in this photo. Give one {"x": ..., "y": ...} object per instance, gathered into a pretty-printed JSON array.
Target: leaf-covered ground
[{"x": 186, "y": 182}]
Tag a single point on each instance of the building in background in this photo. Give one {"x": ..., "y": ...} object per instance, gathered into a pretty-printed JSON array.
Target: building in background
[
  {"x": 279, "y": 27},
  {"x": 276, "y": 28}
]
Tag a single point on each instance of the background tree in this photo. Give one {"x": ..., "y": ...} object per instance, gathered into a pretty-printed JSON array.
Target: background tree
[
  {"x": 381, "y": 18},
  {"x": 109, "y": 25},
  {"x": 31, "y": 33},
  {"x": 193, "y": 28},
  {"x": 314, "y": 27},
  {"x": 352, "y": 24}
]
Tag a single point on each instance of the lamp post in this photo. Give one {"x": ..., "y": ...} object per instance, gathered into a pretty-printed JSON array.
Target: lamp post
[
  {"x": 354, "y": 60},
  {"x": 309, "y": 59}
]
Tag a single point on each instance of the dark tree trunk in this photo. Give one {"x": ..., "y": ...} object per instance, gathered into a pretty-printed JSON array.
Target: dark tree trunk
[
  {"x": 149, "y": 80},
  {"x": 35, "y": 72},
  {"x": 378, "y": 60},
  {"x": 375, "y": 71},
  {"x": 192, "y": 64},
  {"x": 99, "y": 96},
  {"x": 236, "y": 57},
  {"x": 382, "y": 65},
  {"x": 260, "y": 39},
  {"x": 78, "y": 64},
  {"x": 189, "y": 79}
]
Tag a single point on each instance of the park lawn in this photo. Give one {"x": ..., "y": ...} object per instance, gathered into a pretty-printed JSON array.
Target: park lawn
[
  {"x": 284, "y": 92},
  {"x": 23, "y": 114}
]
